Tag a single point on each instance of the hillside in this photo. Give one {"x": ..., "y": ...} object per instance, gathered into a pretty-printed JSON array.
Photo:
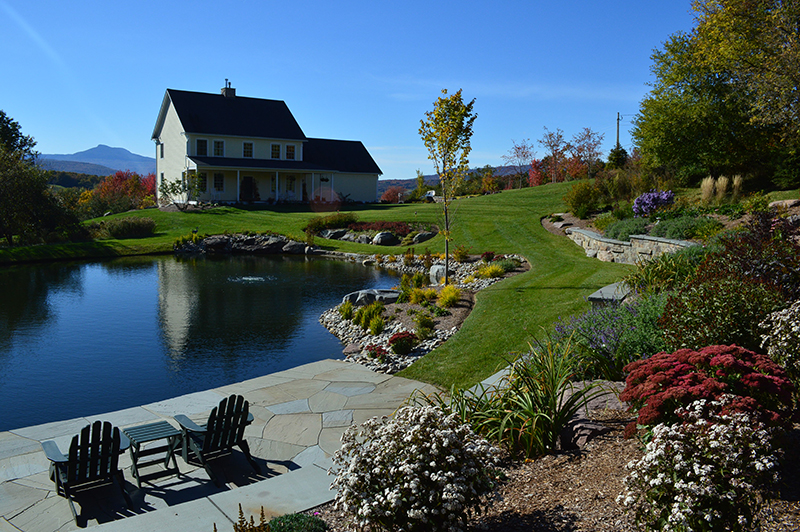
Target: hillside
[{"x": 98, "y": 161}]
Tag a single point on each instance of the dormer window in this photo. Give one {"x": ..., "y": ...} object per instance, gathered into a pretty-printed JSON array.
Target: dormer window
[
  {"x": 290, "y": 152},
  {"x": 276, "y": 151},
  {"x": 202, "y": 147},
  {"x": 247, "y": 150},
  {"x": 219, "y": 148}
]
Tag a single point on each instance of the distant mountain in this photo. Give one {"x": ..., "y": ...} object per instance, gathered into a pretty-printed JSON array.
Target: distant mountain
[
  {"x": 101, "y": 158},
  {"x": 74, "y": 166}
]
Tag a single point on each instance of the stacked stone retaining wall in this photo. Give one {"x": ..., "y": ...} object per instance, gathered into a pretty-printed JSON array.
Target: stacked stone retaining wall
[{"x": 640, "y": 247}]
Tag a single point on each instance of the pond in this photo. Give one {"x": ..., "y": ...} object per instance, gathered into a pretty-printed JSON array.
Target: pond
[{"x": 79, "y": 339}]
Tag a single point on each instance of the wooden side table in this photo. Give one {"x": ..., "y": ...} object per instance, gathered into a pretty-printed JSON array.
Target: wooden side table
[{"x": 152, "y": 432}]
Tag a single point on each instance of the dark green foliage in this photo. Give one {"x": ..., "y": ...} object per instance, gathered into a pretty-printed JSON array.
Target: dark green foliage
[
  {"x": 666, "y": 272},
  {"x": 332, "y": 221},
  {"x": 617, "y": 157},
  {"x": 582, "y": 198},
  {"x": 718, "y": 306},
  {"x": 623, "y": 229},
  {"x": 297, "y": 523},
  {"x": 684, "y": 227},
  {"x": 508, "y": 265},
  {"x": 130, "y": 227}
]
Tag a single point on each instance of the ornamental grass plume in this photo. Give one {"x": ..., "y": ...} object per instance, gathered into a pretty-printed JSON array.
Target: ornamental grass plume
[
  {"x": 419, "y": 471},
  {"x": 705, "y": 473}
]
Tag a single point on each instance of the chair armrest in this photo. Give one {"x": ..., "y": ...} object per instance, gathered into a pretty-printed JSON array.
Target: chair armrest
[
  {"x": 124, "y": 441},
  {"x": 250, "y": 418},
  {"x": 53, "y": 453},
  {"x": 188, "y": 424}
]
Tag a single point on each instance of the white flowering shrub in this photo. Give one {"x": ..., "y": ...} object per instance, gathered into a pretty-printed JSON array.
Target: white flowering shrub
[
  {"x": 781, "y": 339},
  {"x": 702, "y": 474},
  {"x": 420, "y": 470}
]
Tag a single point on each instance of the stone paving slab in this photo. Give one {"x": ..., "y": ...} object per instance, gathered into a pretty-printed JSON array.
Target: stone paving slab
[{"x": 300, "y": 415}]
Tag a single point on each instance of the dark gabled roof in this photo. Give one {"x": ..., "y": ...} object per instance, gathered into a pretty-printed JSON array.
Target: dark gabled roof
[
  {"x": 346, "y": 156},
  {"x": 214, "y": 114}
]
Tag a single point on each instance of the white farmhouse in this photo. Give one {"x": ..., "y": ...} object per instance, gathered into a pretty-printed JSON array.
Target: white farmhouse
[{"x": 252, "y": 150}]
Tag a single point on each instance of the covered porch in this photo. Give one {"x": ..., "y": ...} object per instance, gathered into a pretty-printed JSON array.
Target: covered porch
[{"x": 226, "y": 183}]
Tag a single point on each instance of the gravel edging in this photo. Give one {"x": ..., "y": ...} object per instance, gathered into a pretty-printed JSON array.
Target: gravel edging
[{"x": 357, "y": 339}]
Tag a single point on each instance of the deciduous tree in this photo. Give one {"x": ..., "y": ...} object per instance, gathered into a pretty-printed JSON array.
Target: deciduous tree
[
  {"x": 446, "y": 132},
  {"x": 757, "y": 42},
  {"x": 584, "y": 151},
  {"x": 696, "y": 120},
  {"x": 392, "y": 194},
  {"x": 519, "y": 158},
  {"x": 554, "y": 143}
]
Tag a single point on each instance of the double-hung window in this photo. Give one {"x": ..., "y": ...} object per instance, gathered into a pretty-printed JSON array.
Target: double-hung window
[
  {"x": 276, "y": 151},
  {"x": 219, "y": 148},
  {"x": 202, "y": 147},
  {"x": 219, "y": 182},
  {"x": 247, "y": 150},
  {"x": 202, "y": 182},
  {"x": 290, "y": 152}
]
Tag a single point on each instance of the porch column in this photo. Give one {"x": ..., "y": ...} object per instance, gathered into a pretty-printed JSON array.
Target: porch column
[
  {"x": 238, "y": 184},
  {"x": 331, "y": 198},
  {"x": 311, "y": 197}
]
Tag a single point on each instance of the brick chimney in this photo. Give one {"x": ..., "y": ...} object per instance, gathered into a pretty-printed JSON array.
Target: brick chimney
[{"x": 227, "y": 90}]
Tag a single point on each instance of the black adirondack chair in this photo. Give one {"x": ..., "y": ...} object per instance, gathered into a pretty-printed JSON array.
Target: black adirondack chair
[
  {"x": 224, "y": 430},
  {"x": 93, "y": 460}
]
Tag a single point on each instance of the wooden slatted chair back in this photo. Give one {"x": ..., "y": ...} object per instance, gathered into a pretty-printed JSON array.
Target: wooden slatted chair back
[
  {"x": 226, "y": 424},
  {"x": 94, "y": 453}
]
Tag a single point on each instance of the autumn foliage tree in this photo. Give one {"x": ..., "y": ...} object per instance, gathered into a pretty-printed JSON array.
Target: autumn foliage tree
[
  {"x": 446, "y": 132},
  {"x": 120, "y": 192},
  {"x": 392, "y": 194},
  {"x": 556, "y": 146}
]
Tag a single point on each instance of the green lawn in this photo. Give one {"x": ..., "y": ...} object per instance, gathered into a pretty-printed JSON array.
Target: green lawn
[{"x": 506, "y": 316}]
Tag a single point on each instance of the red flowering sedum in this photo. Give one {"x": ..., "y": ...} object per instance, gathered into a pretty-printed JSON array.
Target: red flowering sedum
[{"x": 657, "y": 386}]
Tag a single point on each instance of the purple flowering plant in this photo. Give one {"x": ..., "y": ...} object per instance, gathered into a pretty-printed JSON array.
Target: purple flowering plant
[{"x": 650, "y": 202}]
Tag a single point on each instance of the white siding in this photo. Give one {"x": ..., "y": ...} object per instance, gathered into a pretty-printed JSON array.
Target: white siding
[{"x": 174, "y": 161}]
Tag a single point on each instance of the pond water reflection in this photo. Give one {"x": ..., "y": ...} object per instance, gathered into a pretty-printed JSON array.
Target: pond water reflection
[{"x": 78, "y": 339}]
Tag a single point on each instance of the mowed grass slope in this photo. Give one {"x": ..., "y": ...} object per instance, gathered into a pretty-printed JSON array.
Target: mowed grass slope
[{"x": 506, "y": 317}]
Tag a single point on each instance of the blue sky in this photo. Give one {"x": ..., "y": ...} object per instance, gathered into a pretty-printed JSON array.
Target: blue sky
[{"x": 79, "y": 74}]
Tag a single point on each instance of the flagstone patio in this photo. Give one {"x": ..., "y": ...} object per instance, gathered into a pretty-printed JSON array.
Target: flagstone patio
[{"x": 300, "y": 415}]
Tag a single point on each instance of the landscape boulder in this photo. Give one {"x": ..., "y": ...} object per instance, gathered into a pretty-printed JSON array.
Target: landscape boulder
[
  {"x": 363, "y": 239},
  {"x": 422, "y": 236},
  {"x": 385, "y": 238},
  {"x": 295, "y": 248},
  {"x": 367, "y": 297},
  {"x": 437, "y": 274},
  {"x": 333, "y": 234},
  {"x": 217, "y": 244}
]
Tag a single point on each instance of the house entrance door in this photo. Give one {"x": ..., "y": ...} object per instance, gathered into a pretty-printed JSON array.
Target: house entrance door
[{"x": 248, "y": 191}]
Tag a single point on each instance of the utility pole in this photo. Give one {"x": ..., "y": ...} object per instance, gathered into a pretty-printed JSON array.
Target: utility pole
[{"x": 618, "y": 119}]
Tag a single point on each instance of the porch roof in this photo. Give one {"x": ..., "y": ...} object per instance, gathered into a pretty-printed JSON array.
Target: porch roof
[{"x": 266, "y": 165}]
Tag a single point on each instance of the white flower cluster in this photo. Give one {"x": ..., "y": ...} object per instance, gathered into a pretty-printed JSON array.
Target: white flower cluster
[
  {"x": 782, "y": 338},
  {"x": 420, "y": 470},
  {"x": 703, "y": 474}
]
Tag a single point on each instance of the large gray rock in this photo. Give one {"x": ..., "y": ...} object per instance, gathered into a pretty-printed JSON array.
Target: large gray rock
[
  {"x": 367, "y": 297},
  {"x": 385, "y": 238},
  {"x": 363, "y": 239},
  {"x": 333, "y": 234},
  {"x": 295, "y": 248},
  {"x": 437, "y": 274},
  {"x": 217, "y": 244},
  {"x": 422, "y": 236}
]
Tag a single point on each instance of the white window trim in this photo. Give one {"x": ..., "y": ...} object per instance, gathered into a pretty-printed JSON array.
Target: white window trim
[
  {"x": 294, "y": 158},
  {"x": 252, "y": 150},
  {"x": 280, "y": 151},
  {"x": 214, "y": 148}
]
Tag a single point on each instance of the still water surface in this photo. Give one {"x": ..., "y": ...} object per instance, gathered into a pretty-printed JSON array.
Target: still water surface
[{"x": 79, "y": 339}]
